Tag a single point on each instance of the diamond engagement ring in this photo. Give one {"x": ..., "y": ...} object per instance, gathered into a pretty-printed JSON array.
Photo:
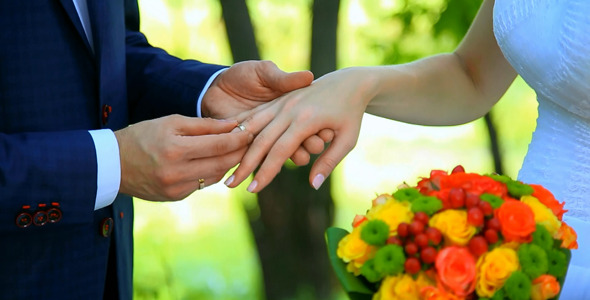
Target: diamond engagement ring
[{"x": 242, "y": 127}]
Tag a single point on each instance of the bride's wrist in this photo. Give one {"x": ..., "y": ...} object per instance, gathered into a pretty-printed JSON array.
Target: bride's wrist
[{"x": 368, "y": 83}]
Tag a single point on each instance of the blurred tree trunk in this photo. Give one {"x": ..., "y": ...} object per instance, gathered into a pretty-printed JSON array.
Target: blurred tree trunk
[
  {"x": 289, "y": 231},
  {"x": 239, "y": 29},
  {"x": 323, "y": 36},
  {"x": 494, "y": 143}
]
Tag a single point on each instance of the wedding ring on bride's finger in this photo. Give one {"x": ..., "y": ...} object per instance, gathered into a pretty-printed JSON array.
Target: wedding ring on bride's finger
[
  {"x": 201, "y": 183},
  {"x": 242, "y": 127}
]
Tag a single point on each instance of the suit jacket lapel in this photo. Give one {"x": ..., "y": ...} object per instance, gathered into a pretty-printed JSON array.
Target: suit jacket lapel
[
  {"x": 107, "y": 18},
  {"x": 75, "y": 18}
]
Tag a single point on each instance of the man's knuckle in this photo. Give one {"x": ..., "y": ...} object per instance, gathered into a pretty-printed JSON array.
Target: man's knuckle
[
  {"x": 165, "y": 177},
  {"x": 218, "y": 178},
  {"x": 170, "y": 153},
  {"x": 219, "y": 169}
]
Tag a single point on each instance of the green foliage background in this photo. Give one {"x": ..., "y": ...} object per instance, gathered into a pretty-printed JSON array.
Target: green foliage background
[{"x": 201, "y": 248}]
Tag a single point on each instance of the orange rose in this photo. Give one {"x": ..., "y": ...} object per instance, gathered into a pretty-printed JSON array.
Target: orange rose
[
  {"x": 455, "y": 267},
  {"x": 517, "y": 221},
  {"x": 432, "y": 293},
  {"x": 459, "y": 180},
  {"x": 547, "y": 198},
  {"x": 473, "y": 183},
  {"x": 568, "y": 236},
  {"x": 544, "y": 287}
]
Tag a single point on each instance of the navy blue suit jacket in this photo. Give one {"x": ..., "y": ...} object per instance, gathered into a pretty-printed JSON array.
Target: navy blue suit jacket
[{"x": 53, "y": 89}]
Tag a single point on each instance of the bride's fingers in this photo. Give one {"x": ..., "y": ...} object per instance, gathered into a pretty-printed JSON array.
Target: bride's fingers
[
  {"x": 276, "y": 157},
  {"x": 261, "y": 145},
  {"x": 257, "y": 119},
  {"x": 327, "y": 161}
]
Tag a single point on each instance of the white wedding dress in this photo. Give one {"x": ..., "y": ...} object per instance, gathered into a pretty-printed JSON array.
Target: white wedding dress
[{"x": 548, "y": 44}]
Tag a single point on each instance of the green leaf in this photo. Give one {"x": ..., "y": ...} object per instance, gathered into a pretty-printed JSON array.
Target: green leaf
[
  {"x": 568, "y": 256},
  {"x": 355, "y": 287}
]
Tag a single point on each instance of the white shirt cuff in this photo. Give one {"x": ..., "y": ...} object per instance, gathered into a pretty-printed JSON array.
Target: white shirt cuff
[
  {"x": 205, "y": 88},
  {"x": 108, "y": 179}
]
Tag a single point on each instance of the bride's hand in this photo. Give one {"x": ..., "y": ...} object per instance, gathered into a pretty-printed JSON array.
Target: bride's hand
[{"x": 331, "y": 109}]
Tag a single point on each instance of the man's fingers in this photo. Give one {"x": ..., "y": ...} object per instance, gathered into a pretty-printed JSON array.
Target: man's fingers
[
  {"x": 281, "y": 81},
  {"x": 301, "y": 157},
  {"x": 296, "y": 80},
  {"x": 211, "y": 170},
  {"x": 214, "y": 144},
  {"x": 202, "y": 126},
  {"x": 327, "y": 135},
  {"x": 314, "y": 144}
]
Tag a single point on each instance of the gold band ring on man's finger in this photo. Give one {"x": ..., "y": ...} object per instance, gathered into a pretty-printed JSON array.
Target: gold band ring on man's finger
[{"x": 201, "y": 183}]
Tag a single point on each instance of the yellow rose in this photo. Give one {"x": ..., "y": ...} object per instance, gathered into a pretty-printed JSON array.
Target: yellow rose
[
  {"x": 453, "y": 225},
  {"x": 424, "y": 280},
  {"x": 392, "y": 212},
  {"x": 543, "y": 215},
  {"x": 381, "y": 199},
  {"x": 493, "y": 269},
  {"x": 398, "y": 287},
  {"x": 353, "y": 250}
]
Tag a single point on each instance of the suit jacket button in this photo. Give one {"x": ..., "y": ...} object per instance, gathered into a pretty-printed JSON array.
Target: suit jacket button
[
  {"x": 106, "y": 227},
  {"x": 106, "y": 111},
  {"x": 40, "y": 218},
  {"x": 24, "y": 220},
  {"x": 54, "y": 215}
]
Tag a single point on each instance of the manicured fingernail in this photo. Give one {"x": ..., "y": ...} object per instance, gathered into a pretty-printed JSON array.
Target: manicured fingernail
[
  {"x": 229, "y": 180},
  {"x": 317, "y": 181},
  {"x": 252, "y": 186}
]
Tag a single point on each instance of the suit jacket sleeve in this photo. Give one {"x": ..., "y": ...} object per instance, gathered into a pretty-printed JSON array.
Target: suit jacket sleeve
[
  {"x": 33, "y": 168},
  {"x": 160, "y": 84}
]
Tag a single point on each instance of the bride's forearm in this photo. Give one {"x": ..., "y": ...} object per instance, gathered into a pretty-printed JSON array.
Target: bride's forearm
[
  {"x": 433, "y": 91},
  {"x": 446, "y": 89}
]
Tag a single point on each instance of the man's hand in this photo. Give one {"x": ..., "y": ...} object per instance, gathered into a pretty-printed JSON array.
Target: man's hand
[
  {"x": 163, "y": 159},
  {"x": 248, "y": 84}
]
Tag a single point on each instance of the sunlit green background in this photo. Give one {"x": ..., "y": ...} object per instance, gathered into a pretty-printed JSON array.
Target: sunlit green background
[{"x": 202, "y": 248}]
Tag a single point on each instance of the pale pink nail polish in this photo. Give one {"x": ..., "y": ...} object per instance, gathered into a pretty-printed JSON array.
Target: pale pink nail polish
[
  {"x": 317, "y": 181},
  {"x": 229, "y": 180},
  {"x": 252, "y": 186}
]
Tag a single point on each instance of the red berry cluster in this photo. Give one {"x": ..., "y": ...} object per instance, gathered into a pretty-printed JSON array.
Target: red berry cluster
[
  {"x": 419, "y": 241},
  {"x": 488, "y": 235},
  {"x": 479, "y": 214}
]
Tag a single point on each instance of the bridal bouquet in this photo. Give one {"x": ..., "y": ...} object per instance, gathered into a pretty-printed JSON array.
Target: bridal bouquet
[{"x": 456, "y": 235}]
